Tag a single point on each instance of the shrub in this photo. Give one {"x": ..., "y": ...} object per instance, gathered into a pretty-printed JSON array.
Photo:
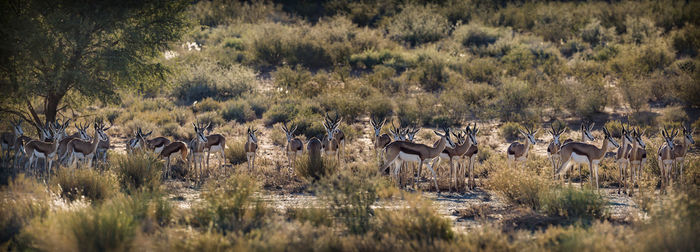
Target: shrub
[
  {"x": 208, "y": 104},
  {"x": 672, "y": 225},
  {"x": 686, "y": 41},
  {"x": 280, "y": 112},
  {"x": 351, "y": 197},
  {"x": 108, "y": 227},
  {"x": 239, "y": 111},
  {"x": 86, "y": 183},
  {"x": 476, "y": 35},
  {"x": 392, "y": 59},
  {"x": 21, "y": 201},
  {"x": 673, "y": 116},
  {"x": 577, "y": 204},
  {"x": 235, "y": 152},
  {"x": 615, "y": 128},
  {"x": 518, "y": 186},
  {"x": 230, "y": 206},
  {"x": 139, "y": 171},
  {"x": 379, "y": 106},
  {"x": 208, "y": 80},
  {"x": 416, "y": 25},
  {"x": 315, "y": 168},
  {"x": 417, "y": 222},
  {"x": 292, "y": 78},
  {"x": 510, "y": 131},
  {"x": 317, "y": 216}
]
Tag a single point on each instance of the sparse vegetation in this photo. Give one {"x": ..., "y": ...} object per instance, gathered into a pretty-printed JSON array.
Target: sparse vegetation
[{"x": 427, "y": 64}]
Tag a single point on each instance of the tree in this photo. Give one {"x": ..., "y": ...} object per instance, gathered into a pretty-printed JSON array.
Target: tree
[{"x": 54, "y": 50}]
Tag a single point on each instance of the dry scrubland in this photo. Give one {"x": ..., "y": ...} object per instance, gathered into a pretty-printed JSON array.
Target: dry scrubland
[{"x": 430, "y": 64}]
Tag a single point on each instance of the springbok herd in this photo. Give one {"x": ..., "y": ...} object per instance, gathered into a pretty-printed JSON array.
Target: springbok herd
[{"x": 80, "y": 148}]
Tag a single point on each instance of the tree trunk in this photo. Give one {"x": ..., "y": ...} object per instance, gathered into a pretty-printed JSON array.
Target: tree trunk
[{"x": 51, "y": 109}]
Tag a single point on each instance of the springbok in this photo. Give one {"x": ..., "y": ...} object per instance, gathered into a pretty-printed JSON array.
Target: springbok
[
  {"x": 63, "y": 145},
  {"x": 156, "y": 144},
  {"x": 251, "y": 146},
  {"x": 83, "y": 150},
  {"x": 586, "y": 136},
  {"x": 8, "y": 140},
  {"x": 403, "y": 151},
  {"x": 314, "y": 148},
  {"x": 637, "y": 158},
  {"x": 518, "y": 152},
  {"x": 451, "y": 155},
  {"x": 380, "y": 140},
  {"x": 554, "y": 146},
  {"x": 102, "y": 149},
  {"x": 294, "y": 145},
  {"x": 36, "y": 149},
  {"x": 665, "y": 157},
  {"x": 471, "y": 155},
  {"x": 682, "y": 148},
  {"x": 575, "y": 152},
  {"x": 196, "y": 154},
  {"x": 215, "y": 143},
  {"x": 331, "y": 142},
  {"x": 622, "y": 158},
  {"x": 174, "y": 150}
]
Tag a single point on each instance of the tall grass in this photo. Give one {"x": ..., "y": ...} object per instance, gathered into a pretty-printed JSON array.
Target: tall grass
[
  {"x": 22, "y": 200},
  {"x": 88, "y": 183},
  {"x": 231, "y": 206},
  {"x": 314, "y": 168},
  {"x": 139, "y": 171},
  {"x": 350, "y": 198}
]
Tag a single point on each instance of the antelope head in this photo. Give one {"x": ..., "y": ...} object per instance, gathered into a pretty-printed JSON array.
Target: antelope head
[
  {"x": 411, "y": 132},
  {"x": 100, "y": 128},
  {"x": 446, "y": 136},
  {"x": 17, "y": 127},
  {"x": 471, "y": 134},
  {"x": 638, "y": 138},
  {"x": 377, "y": 125},
  {"x": 529, "y": 134},
  {"x": 199, "y": 131},
  {"x": 586, "y": 129},
  {"x": 688, "y": 135},
  {"x": 289, "y": 133},
  {"x": 609, "y": 138},
  {"x": 251, "y": 135},
  {"x": 669, "y": 137},
  {"x": 331, "y": 125}
]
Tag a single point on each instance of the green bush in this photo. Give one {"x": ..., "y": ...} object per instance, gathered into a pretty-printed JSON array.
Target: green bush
[
  {"x": 687, "y": 41},
  {"x": 231, "y": 206},
  {"x": 418, "y": 223},
  {"x": 518, "y": 186},
  {"x": 351, "y": 197},
  {"x": 139, "y": 171},
  {"x": 87, "y": 183},
  {"x": 208, "y": 104},
  {"x": 238, "y": 111},
  {"x": 208, "y": 80},
  {"x": 21, "y": 201},
  {"x": 417, "y": 25},
  {"x": 235, "y": 152},
  {"x": 315, "y": 168},
  {"x": 615, "y": 128},
  {"x": 573, "y": 203},
  {"x": 510, "y": 131},
  {"x": 393, "y": 59},
  {"x": 476, "y": 35},
  {"x": 109, "y": 227}
]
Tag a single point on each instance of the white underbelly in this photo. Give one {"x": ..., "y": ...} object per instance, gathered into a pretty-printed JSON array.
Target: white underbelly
[
  {"x": 579, "y": 159},
  {"x": 215, "y": 148},
  {"x": 39, "y": 154},
  {"x": 174, "y": 154},
  {"x": 157, "y": 150},
  {"x": 444, "y": 157},
  {"x": 409, "y": 157}
]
